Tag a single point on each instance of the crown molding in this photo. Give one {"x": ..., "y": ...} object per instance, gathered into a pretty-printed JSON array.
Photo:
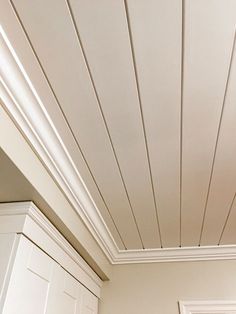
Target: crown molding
[
  {"x": 24, "y": 106},
  {"x": 179, "y": 254},
  {"x": 192, "y": 307}
]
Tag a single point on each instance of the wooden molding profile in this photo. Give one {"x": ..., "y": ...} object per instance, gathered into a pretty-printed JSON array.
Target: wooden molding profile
[
  {"x": 23, "y": 105},
  {"x": 198, "y": 307},
  {"x": 179, "y": 254}
]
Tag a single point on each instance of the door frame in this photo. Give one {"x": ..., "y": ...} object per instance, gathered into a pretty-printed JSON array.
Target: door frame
[{"x": 197, "y": 307}]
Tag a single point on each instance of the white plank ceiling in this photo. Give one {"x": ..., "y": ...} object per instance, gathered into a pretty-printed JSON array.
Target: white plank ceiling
[{"x": 146, "y": 92}]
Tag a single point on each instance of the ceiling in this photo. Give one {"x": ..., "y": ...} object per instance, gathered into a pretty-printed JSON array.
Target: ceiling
[{"x": 144, "y": 98}]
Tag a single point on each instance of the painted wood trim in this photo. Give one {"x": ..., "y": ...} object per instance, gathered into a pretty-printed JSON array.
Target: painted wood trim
[
  {"x": 223, "y": 252},
  {"x": 28, "y": 112},
  {"x": 221, "y": 307}
]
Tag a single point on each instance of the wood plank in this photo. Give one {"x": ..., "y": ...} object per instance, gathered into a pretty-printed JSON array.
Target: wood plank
[
  {"x": 223, "y": 185},
  {"x": 157, "y": 45},
  {"x": 18, "y": 39},
  {"x": 209, "y": 31},
  {"x": 53, "y": 36},
  {"x": 229, "y": 235},
  {"x": 104, "y": 34}
]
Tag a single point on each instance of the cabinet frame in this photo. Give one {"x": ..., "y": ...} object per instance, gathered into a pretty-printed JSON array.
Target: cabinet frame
[{"x": 25, "y": 218}]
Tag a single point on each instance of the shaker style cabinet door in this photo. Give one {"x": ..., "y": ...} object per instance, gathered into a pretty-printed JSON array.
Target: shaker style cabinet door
[
  {"x": 68, "y": 296},
  {"x": 89, "y": 302},
  {"x": 65, "y": 296},
  {"x": 31, "y": 280},
  {"x": 8, "y": 244},
  {"x": 38, "y": 285}
]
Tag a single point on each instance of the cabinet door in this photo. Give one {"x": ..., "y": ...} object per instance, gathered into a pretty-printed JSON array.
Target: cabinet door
[
  {"x": 30, "y": 281},
  {"x": 65, "y": 296},
  {"x": 38, "y": 285},
  {"x": 68, "y": 296},
  {"x": 8, "y": 243},
  {"x": 89, "y": 302}
]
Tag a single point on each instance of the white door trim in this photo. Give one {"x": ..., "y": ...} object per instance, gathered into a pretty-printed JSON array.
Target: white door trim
[{"x": 211, "y": 307}]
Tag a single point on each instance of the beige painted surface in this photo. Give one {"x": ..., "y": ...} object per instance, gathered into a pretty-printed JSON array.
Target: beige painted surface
[{"x": 157, "y": 288}]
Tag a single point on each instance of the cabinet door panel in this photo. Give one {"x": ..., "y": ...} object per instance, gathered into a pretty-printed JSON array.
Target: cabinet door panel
[
  {"x": 38, "y": 285},
  {"x": 30, "y": 280},
  {"x": 65, "y": 294},
  {"x": 90, "y": 303},
  {"x": 72, "y": 290},
  {"x": 8, "y": 243},
  {"x": 68, "y": 296}
]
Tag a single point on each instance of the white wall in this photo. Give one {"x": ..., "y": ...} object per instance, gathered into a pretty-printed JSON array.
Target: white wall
[{"x": 157, "y": 288}]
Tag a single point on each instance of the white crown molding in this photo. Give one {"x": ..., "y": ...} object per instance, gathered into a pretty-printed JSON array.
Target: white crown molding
[
  {"x": 23, "y": 104},
  {"x": 223, "y": 252},
  {"x": 221, "y": 307}
]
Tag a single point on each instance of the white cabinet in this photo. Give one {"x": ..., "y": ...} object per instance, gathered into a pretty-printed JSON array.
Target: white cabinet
[
  {"x": 66, "y": 296},
  {"x": 89, "y": 303},
  {"x": 32, "y": 282},
  {"x": 69, "y": 296},
  {"x": 7, "y": 252}
]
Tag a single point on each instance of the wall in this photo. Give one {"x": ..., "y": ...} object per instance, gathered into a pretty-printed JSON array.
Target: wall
[{"x": 157, "y": 288}]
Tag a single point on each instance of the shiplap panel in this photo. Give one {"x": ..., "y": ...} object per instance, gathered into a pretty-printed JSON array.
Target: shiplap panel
[
  {"x": 10, "y": 24},
  {"x": 53, "y": 36},
  {"x": 104, "y": 34},
  {"x": 229, "y": 235},
  {"x": 209, "y": 30},
  {"x": 223, "y": 185},
  {"x": 36, "y": 75},
  {"x": 157, "y": 46}
]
